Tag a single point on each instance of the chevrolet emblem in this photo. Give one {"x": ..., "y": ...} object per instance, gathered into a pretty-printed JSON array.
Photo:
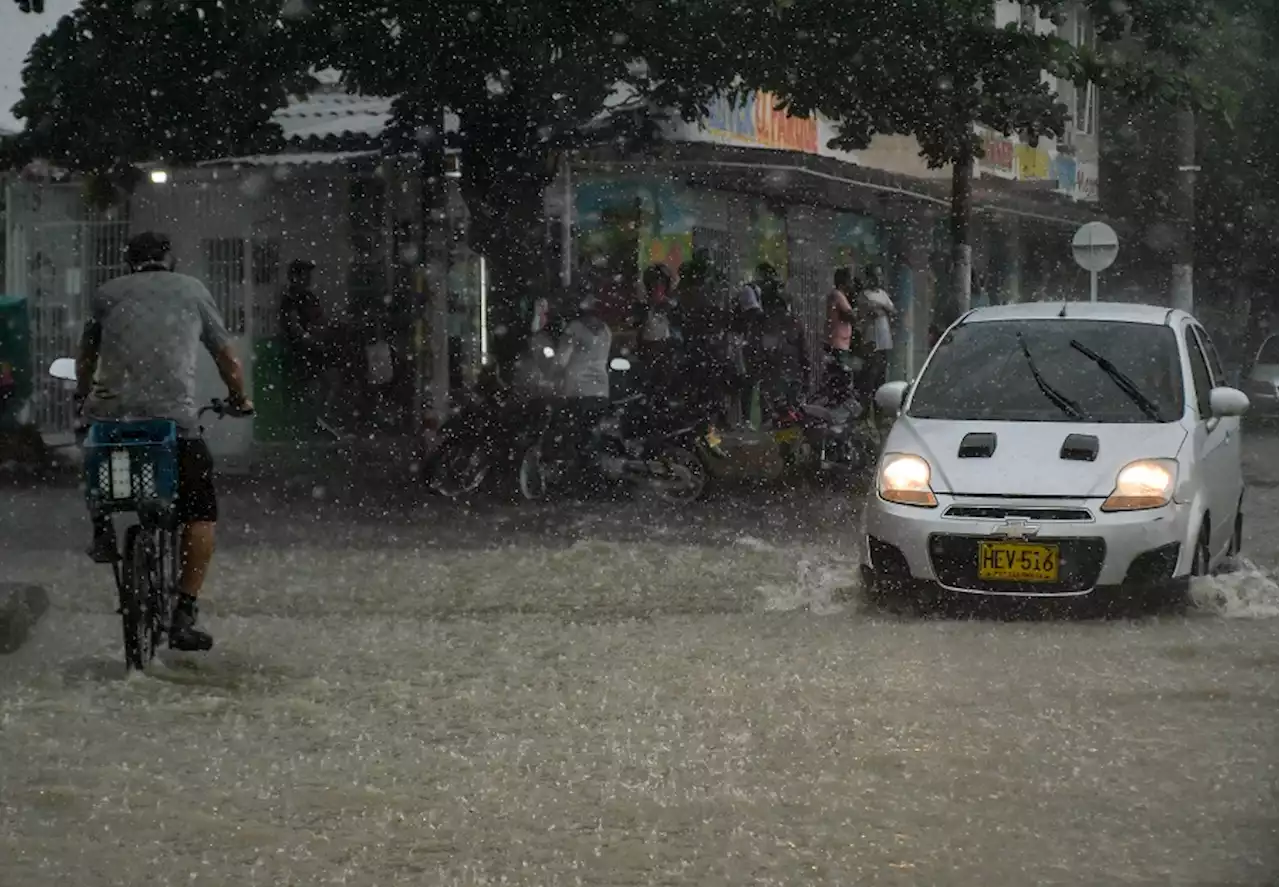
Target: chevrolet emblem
[{"x": 1015, "y": 529}]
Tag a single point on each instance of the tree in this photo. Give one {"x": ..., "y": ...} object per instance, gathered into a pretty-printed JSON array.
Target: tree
[
  {"x": 933, "y": 69},
  {"x": 1234, "y": 69},
  {"x": 119, "y": 82},
  {"x": 525, "y": 79}
]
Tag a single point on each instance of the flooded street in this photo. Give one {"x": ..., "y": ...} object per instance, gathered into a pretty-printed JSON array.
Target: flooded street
[{"x": 420, "y": 694}]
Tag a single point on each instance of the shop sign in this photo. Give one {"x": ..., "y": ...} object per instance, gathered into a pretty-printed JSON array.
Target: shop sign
[
  {"x": 997, "y": 156},
  {"x": 756, "y": 122},
  {"x": 1033, "y": 163}
]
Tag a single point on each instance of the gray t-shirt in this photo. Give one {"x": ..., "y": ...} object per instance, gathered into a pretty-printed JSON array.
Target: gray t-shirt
[{"x": 152, "y": 325}]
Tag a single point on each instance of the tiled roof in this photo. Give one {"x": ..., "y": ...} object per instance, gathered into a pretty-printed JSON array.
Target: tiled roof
[
  {"x": 308, "y": 158},
  {"x": 334, "y": 114}
]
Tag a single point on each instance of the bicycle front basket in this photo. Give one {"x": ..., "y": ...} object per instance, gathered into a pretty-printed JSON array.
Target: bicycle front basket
[{"x": 128, "y": 464}]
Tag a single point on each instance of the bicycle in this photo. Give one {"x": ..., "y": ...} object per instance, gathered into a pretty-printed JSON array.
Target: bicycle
[{"x": 131, "y": 466}]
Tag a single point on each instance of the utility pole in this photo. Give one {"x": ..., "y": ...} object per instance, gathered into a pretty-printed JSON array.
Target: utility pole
[
  {"x": 1182, "y": 294},
  {"x": 961, "y": 222},
  {"x": 431, "y": 303}
]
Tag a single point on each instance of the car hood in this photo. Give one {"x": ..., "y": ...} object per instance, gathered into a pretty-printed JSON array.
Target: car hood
[{"x": 1027, "y": 459}]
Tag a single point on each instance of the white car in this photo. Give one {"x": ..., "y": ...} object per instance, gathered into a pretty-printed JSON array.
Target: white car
[
  {"x": 1262, "y": 382},
  {"x": 1058, "y": 449}
]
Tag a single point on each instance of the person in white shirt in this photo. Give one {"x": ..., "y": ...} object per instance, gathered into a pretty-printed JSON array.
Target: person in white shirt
[
  {"x": 879, "y": 313},
  {"x": 583, "y": 358}
]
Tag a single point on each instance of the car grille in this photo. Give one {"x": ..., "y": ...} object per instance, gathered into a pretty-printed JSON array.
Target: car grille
[
  {"x": 955, "y": 563},
  {"x": 1031, "y": 513}
]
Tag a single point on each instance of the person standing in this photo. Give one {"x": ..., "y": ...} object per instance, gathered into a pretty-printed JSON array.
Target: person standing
[
  {"x": 657, "y": 327},
  {"x": 304, "y": 335},
  {"x": 786, "y": 354},
  {"x": 302, "y": 322},
  {"x": 839, "y": 356},
  {"x": 880, "y": 313},
  {"x": 748, "y": 328},
  {"x": 584, "y": 378}
]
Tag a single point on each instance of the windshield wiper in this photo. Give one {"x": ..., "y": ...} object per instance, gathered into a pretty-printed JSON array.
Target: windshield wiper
[
  {"x": 1123, "y": 382},
  {"x": 1060, "y": 400}
]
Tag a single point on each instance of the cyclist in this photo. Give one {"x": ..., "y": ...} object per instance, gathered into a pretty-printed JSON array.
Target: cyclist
[{"x": 138, "y": 359}]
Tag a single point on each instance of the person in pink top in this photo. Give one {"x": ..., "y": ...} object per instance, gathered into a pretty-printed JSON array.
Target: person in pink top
[{"x": 839, "y": 348}]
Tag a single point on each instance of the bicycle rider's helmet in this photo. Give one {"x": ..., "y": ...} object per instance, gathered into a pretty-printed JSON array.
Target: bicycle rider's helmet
[{"x": 149, "y": 251}]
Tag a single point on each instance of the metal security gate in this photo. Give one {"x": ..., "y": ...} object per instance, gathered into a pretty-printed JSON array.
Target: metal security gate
[{"x": 57, "y": 253}]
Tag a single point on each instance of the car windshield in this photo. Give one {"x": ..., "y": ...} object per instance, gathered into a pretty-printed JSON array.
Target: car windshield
[{"x": 1053, "y": 371}]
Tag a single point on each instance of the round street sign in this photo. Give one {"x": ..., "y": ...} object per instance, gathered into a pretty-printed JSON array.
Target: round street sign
[{"x": 1095, "y": 246}]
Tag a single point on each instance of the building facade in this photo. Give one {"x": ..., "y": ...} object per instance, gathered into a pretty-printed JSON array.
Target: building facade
[{"x": 748, "y": 184}]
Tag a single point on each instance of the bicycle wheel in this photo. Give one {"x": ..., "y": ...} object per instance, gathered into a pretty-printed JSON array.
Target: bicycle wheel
[{"x": 141, "y": 605}]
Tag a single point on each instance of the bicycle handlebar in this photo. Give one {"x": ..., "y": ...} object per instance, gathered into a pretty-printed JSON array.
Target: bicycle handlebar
[{"x": 221, "y": 408}]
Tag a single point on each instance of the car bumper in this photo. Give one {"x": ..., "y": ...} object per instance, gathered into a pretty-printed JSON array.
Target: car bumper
[{"x": 1097, "y": 550}]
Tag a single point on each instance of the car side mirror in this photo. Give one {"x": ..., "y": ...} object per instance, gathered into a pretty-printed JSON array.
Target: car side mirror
[
  {"x": 1227, "y": 402},
  {"x": 890, "y": 395},
  {"x": 63, "y": 368}
]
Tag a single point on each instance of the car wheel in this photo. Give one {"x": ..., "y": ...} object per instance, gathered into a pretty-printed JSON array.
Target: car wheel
[
  {"x": 533, "y": 475},
  {"x": 893, "y": 596},
  {"x": 1237, "y": 531},
  {"x": 1200, "y": 558}
]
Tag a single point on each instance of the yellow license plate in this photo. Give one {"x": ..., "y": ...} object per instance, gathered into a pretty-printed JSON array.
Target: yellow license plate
[
  {"x": 787, "y": 435},
  {"x": 1017, "y": 562}
]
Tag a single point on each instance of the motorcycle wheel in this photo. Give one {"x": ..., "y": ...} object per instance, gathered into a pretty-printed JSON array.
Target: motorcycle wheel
[
  {"x": 459, "y": 471},
  {"x": 533, "y": 475},
  {"x": 690, "y": 480}
]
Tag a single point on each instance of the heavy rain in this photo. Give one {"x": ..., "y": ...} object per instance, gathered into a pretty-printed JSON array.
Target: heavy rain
[{"x": 549, "y": 442}]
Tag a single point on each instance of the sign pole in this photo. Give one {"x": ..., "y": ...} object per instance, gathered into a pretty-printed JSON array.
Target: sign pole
[{"x": 1094, "y": 247}]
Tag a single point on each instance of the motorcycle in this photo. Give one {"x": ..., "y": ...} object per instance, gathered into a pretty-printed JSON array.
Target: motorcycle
[
  {"x": 486, "y": 432},
  {"x": 664, "y": 446},
  {"x": 825, "y": 436}
]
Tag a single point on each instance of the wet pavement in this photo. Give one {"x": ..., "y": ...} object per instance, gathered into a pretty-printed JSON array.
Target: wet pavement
[{"x": 410, "y": 692}]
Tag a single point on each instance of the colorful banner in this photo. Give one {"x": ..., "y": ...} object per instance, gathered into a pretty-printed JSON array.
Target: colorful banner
[
  {"x": 754, "y": 122},
  {"x": 1008, "y": 158}
]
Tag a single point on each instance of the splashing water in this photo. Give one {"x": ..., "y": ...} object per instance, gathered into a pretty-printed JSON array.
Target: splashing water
[
  {"x": 1242, "y": 591},
  {"x": 817, "y": 587}
]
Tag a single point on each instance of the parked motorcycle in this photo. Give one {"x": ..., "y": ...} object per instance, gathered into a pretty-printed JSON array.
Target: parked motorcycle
[
  {"x": 486, "y": 432},
  {"x": 664, "y": 447},
  {"x": 825, "y": 437}
]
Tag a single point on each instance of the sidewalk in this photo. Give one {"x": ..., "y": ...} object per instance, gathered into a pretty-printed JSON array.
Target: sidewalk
[{"x": 384, "y": 463}]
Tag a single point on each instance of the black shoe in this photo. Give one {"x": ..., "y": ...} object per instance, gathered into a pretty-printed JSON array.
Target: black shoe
[
  {"x": 104, "y": 549},
  {"x": 183, "y": 634}
]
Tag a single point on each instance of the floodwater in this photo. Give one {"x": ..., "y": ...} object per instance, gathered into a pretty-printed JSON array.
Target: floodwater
[{"x": 607, "y": 695}]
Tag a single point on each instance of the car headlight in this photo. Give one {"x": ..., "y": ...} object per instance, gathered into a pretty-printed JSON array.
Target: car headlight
[
  {"x": 904, "y": 478},
  {"x": 1147, "y": 483}
]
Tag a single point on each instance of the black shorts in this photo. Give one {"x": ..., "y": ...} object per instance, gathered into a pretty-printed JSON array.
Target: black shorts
[{"x": 197, "y": 502}]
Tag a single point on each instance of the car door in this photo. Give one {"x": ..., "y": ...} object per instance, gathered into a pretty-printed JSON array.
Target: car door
[
  {"x": 1233, "y": 469},
  {"x": 1216, "y": 446}
]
